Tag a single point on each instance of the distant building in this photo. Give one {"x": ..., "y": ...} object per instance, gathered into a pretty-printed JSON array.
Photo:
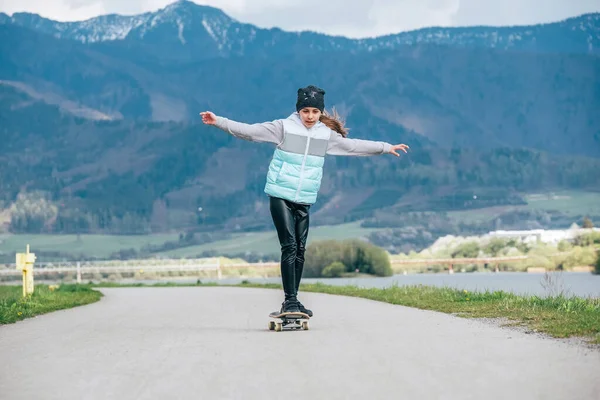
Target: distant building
[{"x": 544, "y": 235}]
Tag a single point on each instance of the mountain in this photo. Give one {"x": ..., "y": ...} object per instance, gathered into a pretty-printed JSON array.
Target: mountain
[
  {"x": 187, "y": 32},
  {"x": 100, "y": 131},
  {"x": 448, "y": 96},
  {"x": 62, "y": 173}
]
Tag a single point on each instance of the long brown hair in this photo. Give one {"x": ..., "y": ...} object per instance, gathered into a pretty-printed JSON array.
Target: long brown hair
[{"x": 334, "y": 122}]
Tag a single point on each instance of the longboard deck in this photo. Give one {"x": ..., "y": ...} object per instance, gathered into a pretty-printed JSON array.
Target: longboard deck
[
  {"x": 289, "y": 315},
  {"x": 291, "y": 320}
]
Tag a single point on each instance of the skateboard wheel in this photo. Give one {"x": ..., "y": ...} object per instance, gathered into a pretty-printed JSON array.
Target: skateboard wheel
[
  {"x": 305, "y": 325},
  {"x": 278, "y": 326},
  {"x": 271, "y": 325}
]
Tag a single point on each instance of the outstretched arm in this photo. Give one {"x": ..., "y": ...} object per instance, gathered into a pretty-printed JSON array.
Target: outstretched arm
[
  {"x": 271, "y": 132},
  {"x": 341, "y": 146}
]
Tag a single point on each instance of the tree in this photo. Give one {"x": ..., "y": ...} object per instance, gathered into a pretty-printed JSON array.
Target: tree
[
  {"x": 495, "y": 246},
  {"x": 466, "y": 250},
  {"x": 334, "y": 270},
  {"x": 321, "y": 258},
  {"x": 587, "y": 223},
  {"x": 32, "y": 212}
]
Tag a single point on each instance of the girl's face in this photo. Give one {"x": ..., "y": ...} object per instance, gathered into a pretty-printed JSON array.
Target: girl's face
[{"x": 310, "y": 116}]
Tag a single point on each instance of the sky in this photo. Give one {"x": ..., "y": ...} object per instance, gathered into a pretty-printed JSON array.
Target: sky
[{"x": 365, "y": 18}]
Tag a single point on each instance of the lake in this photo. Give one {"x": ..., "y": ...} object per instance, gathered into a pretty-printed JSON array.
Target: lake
[{"x": 574, "y": 283}]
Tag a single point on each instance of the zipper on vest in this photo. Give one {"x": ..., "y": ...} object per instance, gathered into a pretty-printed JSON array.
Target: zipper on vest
[{"x": 303, "y": 164}]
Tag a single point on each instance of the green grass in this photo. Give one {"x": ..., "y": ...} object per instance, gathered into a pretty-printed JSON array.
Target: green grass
[
  {"x": 267, "y": 242},
  {"x": 558, "y": 317},
  {"x": 45, "y": 299},
  {"x": 350, "y": 230},
  {"x": 90, "y": 245},
  {"x": 482, "y": 214},
  {"x": 104, "y": 245},
  {"x": 568, "y": 202},
  {"x": 571, "y": 203}
]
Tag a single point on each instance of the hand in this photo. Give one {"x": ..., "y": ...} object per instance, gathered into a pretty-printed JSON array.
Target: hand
[
  {"x": 402, "y": 147},
  {"x": 208, "y": 118}
]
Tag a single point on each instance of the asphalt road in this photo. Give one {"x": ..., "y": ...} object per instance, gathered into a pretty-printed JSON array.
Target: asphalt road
[{"x": 213, "y": 343}]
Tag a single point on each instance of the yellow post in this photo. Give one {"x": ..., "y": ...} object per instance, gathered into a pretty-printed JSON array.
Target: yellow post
[{"x": 25, "y": 263}]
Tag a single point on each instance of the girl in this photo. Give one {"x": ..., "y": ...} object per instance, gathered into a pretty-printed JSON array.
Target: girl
[{"x": 294, "y": 177}]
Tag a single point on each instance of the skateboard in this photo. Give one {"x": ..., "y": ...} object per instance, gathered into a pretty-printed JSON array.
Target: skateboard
[{"x": 289, "y": 320}]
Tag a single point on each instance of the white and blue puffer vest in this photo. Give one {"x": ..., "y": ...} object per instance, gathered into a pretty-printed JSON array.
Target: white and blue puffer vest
[{"x": 296, "y": 170}]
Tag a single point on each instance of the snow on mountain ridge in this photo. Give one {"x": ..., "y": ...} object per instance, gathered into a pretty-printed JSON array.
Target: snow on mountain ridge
[
  {"x": 228, "y": 33},
  {"x": 102, "y": 29},
  {"x": 183, "y": 15},
  {"x": 117, "y": 27}
]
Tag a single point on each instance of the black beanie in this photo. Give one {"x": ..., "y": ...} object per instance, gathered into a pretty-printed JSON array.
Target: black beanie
[{"x": 310, "y": 96}]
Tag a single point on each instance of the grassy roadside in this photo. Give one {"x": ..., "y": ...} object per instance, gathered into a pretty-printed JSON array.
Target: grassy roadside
[
  {"x": 558, "y": 317},
  {"x": 45, "y": 299}
]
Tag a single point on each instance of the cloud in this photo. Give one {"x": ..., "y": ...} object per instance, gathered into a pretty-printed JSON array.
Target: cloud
[
  {"x": 376, "y": 17},
  {"x": 364, "y": 18},
  {"x": 516, "y": 12}
]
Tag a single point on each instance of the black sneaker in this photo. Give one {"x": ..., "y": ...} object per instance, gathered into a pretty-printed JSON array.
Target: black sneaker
[
  {"x": 289, "y": 306},
  {"x": 304, "y": 309}
]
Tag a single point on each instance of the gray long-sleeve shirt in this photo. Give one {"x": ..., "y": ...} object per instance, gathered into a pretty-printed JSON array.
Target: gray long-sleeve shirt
[{"x": 273, "y": 132}]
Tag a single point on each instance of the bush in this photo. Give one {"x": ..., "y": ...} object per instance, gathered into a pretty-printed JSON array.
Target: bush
[
  {"x": 537, "y": 261},
  {"x": 321, "y": 254},
  {"x": 511, "y": 251},
  {"x": 334, "y": 270},
  {"x": 564, "y": 245},
  {"x": 542, "y": 249},
  {"x": 580, "y": 256},
  {"x": 597, "y": 269},
  {"x": 522, "y": 246},
  {"x": 65, "y": 288},
  {"x": 353, "y": 254},
  {"x": 377, "y": 262},
  {"x": 466, "y": 250},
  {"x": 495, "y": 246},
  {"x": 588, "y": 239}
]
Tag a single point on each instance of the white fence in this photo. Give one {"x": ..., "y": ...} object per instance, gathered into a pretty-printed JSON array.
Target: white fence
[
  {"x": 128, "y": 266},
  {"x": 198, "y": 265}
]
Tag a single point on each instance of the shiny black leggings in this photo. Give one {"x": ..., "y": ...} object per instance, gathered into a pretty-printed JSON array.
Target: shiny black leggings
[{"x": 291, "y": 222}]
